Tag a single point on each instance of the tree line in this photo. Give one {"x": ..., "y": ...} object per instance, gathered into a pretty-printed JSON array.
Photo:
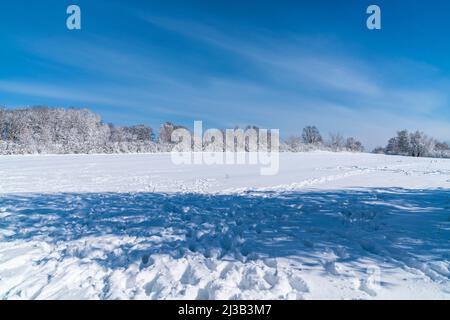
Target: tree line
[
  {"x": 44, "y": 130},
  {"x": 415, "y": 144},
  {"x": 60, "y": 131},
  {"x": 311, "y": 139}
]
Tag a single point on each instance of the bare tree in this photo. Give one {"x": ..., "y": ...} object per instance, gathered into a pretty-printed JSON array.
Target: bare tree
[{"x": 336, "y": 141}]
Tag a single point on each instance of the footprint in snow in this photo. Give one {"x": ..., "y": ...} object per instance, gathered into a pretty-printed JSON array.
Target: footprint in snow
[
  {"x": 298, "y": 284},
  {"x": 364, "y": 286}
]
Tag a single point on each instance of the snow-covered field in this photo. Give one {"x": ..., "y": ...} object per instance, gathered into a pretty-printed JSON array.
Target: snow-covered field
[{"x": 329, "y": 225}]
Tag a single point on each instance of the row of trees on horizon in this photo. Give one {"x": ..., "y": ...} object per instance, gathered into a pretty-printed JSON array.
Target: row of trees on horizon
[
  {"x": 415, "y": 144},
  {"x": 61, "y": 131}
]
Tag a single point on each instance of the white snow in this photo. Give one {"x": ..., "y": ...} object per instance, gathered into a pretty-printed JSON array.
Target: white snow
[{"x": 328, "y": 226}]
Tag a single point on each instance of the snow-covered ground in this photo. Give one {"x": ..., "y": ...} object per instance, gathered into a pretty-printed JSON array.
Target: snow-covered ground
[{"x": 329, "y": 225}]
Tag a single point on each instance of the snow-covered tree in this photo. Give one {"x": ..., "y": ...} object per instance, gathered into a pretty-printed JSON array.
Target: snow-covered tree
[
  {"x": 353, "y": 145},
  {"x": 441, "y": 150},
  {"x": 441, "y": 146},
  {"x": 403, "y": 142},
  {"x": 392, "y": 146},
  {"x": 294, "y": 143},
  {"x": 165, "y": 132},
  {"x": 421, "y": 145},
  {"x": 336, "y": 142},
  {"x": 311, "y": 135},
  {"x": 416, "y": 144},
  {"x": 59, "y": 131},
  {"x": 50, "y": 130},
  {"x": 400, "y": 145},
  {"x": 2, "y": 124},
  {"x": 379, "y": 150}
]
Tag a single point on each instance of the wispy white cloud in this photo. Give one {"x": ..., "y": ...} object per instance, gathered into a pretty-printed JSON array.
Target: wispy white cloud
[
  {"x": 278, "y": 83},
  {"x": 51, "y": 91},
  {"x": 292, "y": 61}
]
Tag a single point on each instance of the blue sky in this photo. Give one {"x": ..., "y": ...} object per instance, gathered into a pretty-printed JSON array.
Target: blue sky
[{"x": 276, "y": 64}]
